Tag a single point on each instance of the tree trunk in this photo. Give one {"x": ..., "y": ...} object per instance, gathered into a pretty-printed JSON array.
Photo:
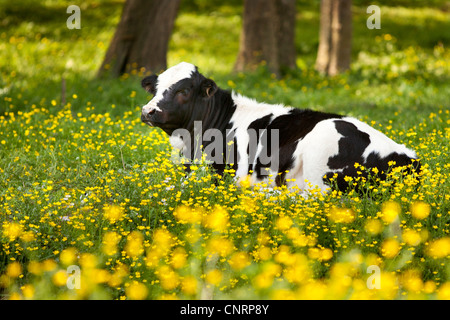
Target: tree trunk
[
  {"x": 286, "y": 14},
  {"x": 268, "y": 34},
  {"x": 141, "y": 38},
  {"x": 323, "y": 53},
  {"x": 335, "y": 37}
]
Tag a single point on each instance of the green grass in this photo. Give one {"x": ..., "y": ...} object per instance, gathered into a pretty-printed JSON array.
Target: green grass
[{"x": 64, "y": 166}]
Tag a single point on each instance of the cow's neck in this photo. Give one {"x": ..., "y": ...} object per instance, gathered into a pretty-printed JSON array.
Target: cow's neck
[
  {"x": 216, "y": 115},
  {"x": 220, "y": 109}
]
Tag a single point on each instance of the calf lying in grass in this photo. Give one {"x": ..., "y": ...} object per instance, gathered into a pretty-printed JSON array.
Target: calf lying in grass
[{"x": 300, "y": 147}]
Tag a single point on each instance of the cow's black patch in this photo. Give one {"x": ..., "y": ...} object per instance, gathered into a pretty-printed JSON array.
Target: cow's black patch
[
  {"x": 351, "y": 148},
  {"x": 291, "y": 128}
]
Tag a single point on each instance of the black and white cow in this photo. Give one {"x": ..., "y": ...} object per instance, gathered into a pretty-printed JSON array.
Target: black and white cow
[{"x": 308, "y": 147}]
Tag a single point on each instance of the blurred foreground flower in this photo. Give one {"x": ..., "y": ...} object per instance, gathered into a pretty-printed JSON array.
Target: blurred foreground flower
[
  {"x": 217, "y": 219},
  {"x": 439, "y": 248},
  {"x": 113, "y": 213},
  {"x": 390, "y": 248},
  {"x": 420, "y": 209},
  {"x": 342, "y": 215},
  {"x": 390, "y": 211}
]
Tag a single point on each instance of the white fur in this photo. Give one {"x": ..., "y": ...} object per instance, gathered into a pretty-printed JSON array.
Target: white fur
[
  {"x": 312, "y": 154},
  {"x": 380, "y": 143},
  {"x": 176, "y": 142}
]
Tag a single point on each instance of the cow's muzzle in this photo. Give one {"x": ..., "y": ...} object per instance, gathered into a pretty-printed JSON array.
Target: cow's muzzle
[
  {"x": 147, "y": 113},
  {"x": 146, "y": 116}
]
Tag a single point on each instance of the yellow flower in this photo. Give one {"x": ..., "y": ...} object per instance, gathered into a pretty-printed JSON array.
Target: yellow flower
[
  {"x": 168, "y": 278},
  {"x": 113, "y": 213},
  {"x": 412, "y": 281},
  {"x": 239, "y": 260},
  {"x": 134, "y": 246},
  {"x": 282, "y": 294},
  {"x": 262, "y": 281},
  {"x": 411, "y": 237},
  {"x": 68, "y": 256},
  {"x": 88, "y": 260},
  {"x": 184, "y": 214},
  {"x": 12, "y": 230},
  {"x": 163, "y": 239},
  {"x": 59, "y": 279},
  {"x": 219, "y": 245},
  {"x": 15, "y": 296},
  {"x": 13, "y": 270},
  {"x": 231, "y": 84},
  {"x": 439, "y": 248},
  {"x": 246, "y": 182},
  {"x": 264, "y": 253},
  {"x": 217, "y": 220},
  {"x": 420, "y": 209},
  {"x": 136, "y": 291},
  {"x": 320, "y": 254},
  {"x": 214, "y": 277},
  {"x": 390, "y": 211},
  {"x": 325, "y": 254},
  {"x": 28, "y": 291},
  {"x": 34, "y": 267},
  {"x": 283, "y": 255},
  {"x": 116, "y": 278},
  {"x": 298, "y": 271},
  {"x": 284, "y": 223},
  {"x": 313, "y": 290},
  {"x": 189, "y": 285},
  {"x": 373, "y": 226},
  {"x": 390, "y": 248},
  {"x": 341, "y": 215},
  {"x": 443, "y": 292},
  {"x": 429, "y": 286},
  {"x": 388, "y": 286},
  {"x": 109, "y": 244},
  {"x": 27, "y": 236},
  {"x": 178, "y": 259}
]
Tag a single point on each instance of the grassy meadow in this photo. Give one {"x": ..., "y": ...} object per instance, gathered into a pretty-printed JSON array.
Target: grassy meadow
[{"x": 89, "y": 195}]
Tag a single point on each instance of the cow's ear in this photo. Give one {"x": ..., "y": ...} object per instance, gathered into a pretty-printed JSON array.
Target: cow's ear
[
  {"x": 149, "y": 83},
  {"x": 209, "y": 88}
]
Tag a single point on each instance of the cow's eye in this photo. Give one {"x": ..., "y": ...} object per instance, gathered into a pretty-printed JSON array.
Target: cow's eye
[{"x": 183, "y": 92}]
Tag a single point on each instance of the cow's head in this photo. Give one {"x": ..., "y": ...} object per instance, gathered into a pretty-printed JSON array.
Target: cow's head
[{"x": 181, "y": 95}]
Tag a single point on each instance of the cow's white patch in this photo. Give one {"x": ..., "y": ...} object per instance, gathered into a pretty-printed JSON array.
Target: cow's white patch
[
  {"x": 249, "y": 110},
  {"x": 379, "y": 142},
  {"x": 176, "y": 142},
  {"x": 171, "y": 76},
  {"x": 165, "y": 80},
  {"x": 149, "y": 107},
  {"x": 312, "y": 154}
]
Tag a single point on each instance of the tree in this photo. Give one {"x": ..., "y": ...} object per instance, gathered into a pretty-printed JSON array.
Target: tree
[
  {"x": 268, "y": 34},
  {"x": 335, "y": 37},
  {"x": 141, "y": 38}
]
